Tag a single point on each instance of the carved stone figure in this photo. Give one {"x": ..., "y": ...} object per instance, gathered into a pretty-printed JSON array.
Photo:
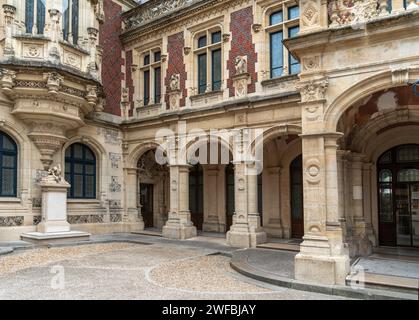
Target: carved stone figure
[
  {"x": 240, "y": 64},
  {"x": 175, "y": 82},
  {"x": 54, "y": 175}
]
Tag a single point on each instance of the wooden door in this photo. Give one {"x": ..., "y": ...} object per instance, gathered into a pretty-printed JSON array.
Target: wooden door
[{"x": 297, "y": 205}]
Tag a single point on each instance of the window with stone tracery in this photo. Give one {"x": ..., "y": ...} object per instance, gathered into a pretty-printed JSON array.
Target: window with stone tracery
[
  {"x": 8, "y": 166},
  {"x": 208, "y": 53},
  {"x": 35, "y": 16},
  {"x": 282, "y": 23},
  {"x": 151, "y": 77},
  {"x": 71, "y": 20}
]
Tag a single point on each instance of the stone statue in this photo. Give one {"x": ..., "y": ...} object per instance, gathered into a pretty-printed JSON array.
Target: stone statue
[
  {"x": 175, "y": 82},
  {"x": 54, "y": 175},
  {"x": 241, "y": 64}
]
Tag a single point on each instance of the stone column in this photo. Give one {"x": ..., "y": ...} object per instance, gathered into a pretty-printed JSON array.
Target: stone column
[
  {"x": 211, "y": 223},
  {"x": 272, "y": 191},
  {"x": 179, "y": 224},
  {"x": 323, "y": 255},
  {"x": 246, "y": 231},
  {"x": 133, "y": 216},
  {"x": 363, "y": 244},
  {"x": 366, "y": 180}
]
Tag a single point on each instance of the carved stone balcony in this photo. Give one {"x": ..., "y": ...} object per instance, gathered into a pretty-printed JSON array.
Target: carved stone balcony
[
  {"x": 353, "y": 12},
  {"x": 153, "y": 9}
]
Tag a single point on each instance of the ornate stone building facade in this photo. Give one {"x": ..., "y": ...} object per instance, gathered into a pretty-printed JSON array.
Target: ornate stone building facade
[{"x": 330, "y": 87}]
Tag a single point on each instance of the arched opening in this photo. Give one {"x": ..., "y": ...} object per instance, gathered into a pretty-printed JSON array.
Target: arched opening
[
  {"x": 152, "y": 190},
  {"x": 398, "y": 196},
  {"x": 196, "y": 195},
  {"x": 8, "y": 166},
  {"x": 296, "y": 188},
  {"x": 80, "y": 171}
]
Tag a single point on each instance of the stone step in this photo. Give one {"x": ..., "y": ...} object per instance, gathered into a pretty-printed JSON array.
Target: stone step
[
  {"x": 280, "y": 246},
  {"x": 386, "y": 282}
]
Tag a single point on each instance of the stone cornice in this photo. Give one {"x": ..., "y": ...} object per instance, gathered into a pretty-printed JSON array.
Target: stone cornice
[
  {"x": 380, "y": 27},
  {"x": 188, "y": 15}
]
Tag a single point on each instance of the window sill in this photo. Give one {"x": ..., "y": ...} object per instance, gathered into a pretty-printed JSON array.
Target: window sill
[
  {"x": 149, "y": 106},
  {"x": 278, "y": 80},
  {"x": 206, "y": 95},
  {"x": 74, "y": 47},
  {"x": 10, "y": 200},
  {"x": 83, "y": 201}
]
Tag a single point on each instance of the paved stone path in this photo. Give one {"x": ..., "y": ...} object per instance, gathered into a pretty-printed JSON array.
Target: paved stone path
[{"x": 162, "y": 270}]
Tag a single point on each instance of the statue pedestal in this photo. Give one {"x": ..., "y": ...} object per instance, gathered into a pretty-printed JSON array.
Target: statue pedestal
[{"x": 54, "y": 226}]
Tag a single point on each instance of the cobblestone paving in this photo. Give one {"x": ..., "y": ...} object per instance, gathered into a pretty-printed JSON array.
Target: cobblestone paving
[{"x": 130, "y": 271}]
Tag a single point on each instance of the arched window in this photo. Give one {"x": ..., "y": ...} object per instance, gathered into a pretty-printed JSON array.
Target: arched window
[
  {"x": 8, "y": 166},
  {"x": 35, "y": 16},
  {"x": 80, "y": 171},
  {"x": 71, "y": 20}
]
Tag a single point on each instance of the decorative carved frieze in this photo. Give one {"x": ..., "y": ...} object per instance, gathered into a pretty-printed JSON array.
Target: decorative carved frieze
[
  {"x": 345, "y": 12},
  {"x": 85, "y": 218},
  {"x": 153, "y": 10},
  {"x": 115, "y": 217},
  {"x": 114, "y": 186},
  {"x": 114, "y": 158},
  {"x": 11, "y": 221}
]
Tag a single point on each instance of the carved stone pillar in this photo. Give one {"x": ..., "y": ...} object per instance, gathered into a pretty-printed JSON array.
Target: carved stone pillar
[
  {"x": 323, "y": 255},
  {"x": 360, "y": 233},
  {"x": 93, "y": 35},
  {"x": 179, "y": 224},
  {"x": 273, "y": 224},
  {"x": 211, "y": 223},
  {"x": 9, "y": 17},
  {"x": 133, "y": 215},
  {"x": 366, "y": 180},
  {"x": 246, "y": 231}
]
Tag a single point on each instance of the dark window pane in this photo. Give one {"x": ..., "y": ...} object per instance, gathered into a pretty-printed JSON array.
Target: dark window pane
[
  {"x": 78, "y": 168},
  {"x": 8, "y": 182},
  {"x": 81, "y": 172},
  {"x": 66, "y": 19},
  {"x": 40, "y": 19},
  {"x": 294, "y": 66},
  {"x": 147, "y": 59},
  {"x": 9, "y": 161},
  {"x": 90, "y": 169},
  {"x": 386, "y": 203},
  {"x": 202, "y": 73},
  {"x": 78, "y": 151},
  {"x": 75, "y": 20},
  {"x": 293, "y": 12},
  {"x": 68, "y": 152},
  {"x": 407, "y": 154},
  {"x": 77, "y": 186},
  {"x": 275, "y": 18},
  {"x": 276, "y": 54},
  {"x": 230, "y": 190},
  {"x": 202, "y": 41},
  {"x": 146, "y": 87},
  {"x": 29, "y": 14},
  {"x": 216, "y": 37},
  {"x": 157, "y": 56},
  {"x": 157, "y": 85},
  {"x": 385, "y": 176},
  {"x": 386, "y": 158},
  {"x": 216, "y": 69},
  {"x": 8, "y": 144},
  {"x": 89, "y": 154},
  {"x": 90, "y": 186}
]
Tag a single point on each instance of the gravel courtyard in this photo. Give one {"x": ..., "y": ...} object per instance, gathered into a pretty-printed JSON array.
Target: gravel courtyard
[{"x": 130, "y": 271}]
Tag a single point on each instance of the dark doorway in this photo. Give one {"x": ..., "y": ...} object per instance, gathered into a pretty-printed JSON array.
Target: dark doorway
[
  {"x": 297, "y": 207},
  {"x": 230, "y": 199},
  {"x": 146, "y": 201},
  {"x": 196, "y": 195},
  {"x": 398, "y": 196}
]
